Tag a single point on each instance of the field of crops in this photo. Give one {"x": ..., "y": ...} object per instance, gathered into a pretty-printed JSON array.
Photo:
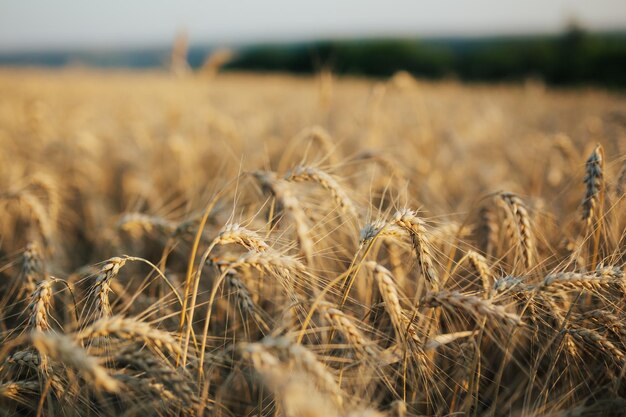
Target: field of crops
[{"x": 268, "y": 245}]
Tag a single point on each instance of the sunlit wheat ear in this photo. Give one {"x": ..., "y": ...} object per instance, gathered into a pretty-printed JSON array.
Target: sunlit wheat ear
[
  {"x": 521, "y": 220},
  {"x": 38, "y": 308},
  {"x": 489, "y": 230},
  {"x": 306, "y": 360},
  {"x": 477, "y": 307},
  {"x": 594, "y": 183},
  {"x": 133, "y": 330},
  {"x": 272, "y": 262},
  {"x": 65, "y": 351},
  {"x": 32, "y": 267},
  {"x": 39, "y": 305},
  {"x": 326, "y": 181},
  {"x": 379, "y": 229},
  {"x": 102, "y": 285},
  {"x": 235, "y": 233},
  {"x": 481, "y": 266},
  {"x": 389, "y": 293},
  {"x": 286, "y": 201},
  {"x": 137, "y": 224},
  {"x": 574, "y": 280},
  {"x": 408, "y": 220},
  {"x": 362, "y": 345}
]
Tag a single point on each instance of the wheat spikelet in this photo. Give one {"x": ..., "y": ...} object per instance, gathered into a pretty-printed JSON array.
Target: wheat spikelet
[
  {"x": 32, "y": 266},
  {"x": 379, "y": 228},
  {"x": 607, "y": 320},
  {"x": 596, "y": 339},
  {"x": 356, "y": 339},
  {"x": 565, "y": 280},
  {"x": 174, "y": 379},
  {"x": 522, "y": 222},
  {"x": 235, "y": 233},
  {"x": 102, "y": 285},
  {"x": 477, "y": 307},
  {"x": 594, "y": 182},
  {"x": 15, "y": 390},
  {"x": 243, "y": 295},
  {"x": 244, "y": 298},
  {"x": 63, "y": 350},
  {"x": 24, "y": 358},
  {"x": 389, "y": 293},
  {"x": 130, "y": 329},
  {"x": 272, "y": 262},
  {"x": 408, "y": 220},
  {"x": 149, "y": 388},
  {"x": 481, "y": 266},
  {"x": 509, "y": 282},
  {"x": 306, "y": 173},
  {"x": 39, "y": 305}
]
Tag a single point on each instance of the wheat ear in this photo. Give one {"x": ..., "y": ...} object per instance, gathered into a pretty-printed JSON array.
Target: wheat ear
[{"x": 64, "y": 350}]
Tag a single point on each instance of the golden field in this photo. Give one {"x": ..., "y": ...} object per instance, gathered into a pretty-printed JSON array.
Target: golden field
[{"x": 269, "y": 245}]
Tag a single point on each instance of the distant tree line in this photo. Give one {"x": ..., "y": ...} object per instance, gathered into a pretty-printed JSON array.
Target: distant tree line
[{"x": 574, "y": 57}]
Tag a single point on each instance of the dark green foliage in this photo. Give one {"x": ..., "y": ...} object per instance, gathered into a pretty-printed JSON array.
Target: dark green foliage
[{"x": 572, "y": 58}]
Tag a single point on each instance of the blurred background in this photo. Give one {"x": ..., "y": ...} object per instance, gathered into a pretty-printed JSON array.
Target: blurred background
[{"x": 560, "y": 42}]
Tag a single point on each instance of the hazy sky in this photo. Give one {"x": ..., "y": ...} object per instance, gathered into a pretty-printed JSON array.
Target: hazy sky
[{"x": 40, "y": 24}]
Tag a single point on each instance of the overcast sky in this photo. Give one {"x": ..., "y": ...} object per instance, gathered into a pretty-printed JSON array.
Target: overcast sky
[{"x": 41, "y": 24}]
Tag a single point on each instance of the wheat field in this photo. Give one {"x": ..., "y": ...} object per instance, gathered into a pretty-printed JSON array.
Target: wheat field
[{"x": 269, "y": 245}]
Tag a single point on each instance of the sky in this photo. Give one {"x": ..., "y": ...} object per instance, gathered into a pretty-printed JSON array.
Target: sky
[{"x": 90, "y": 24}]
